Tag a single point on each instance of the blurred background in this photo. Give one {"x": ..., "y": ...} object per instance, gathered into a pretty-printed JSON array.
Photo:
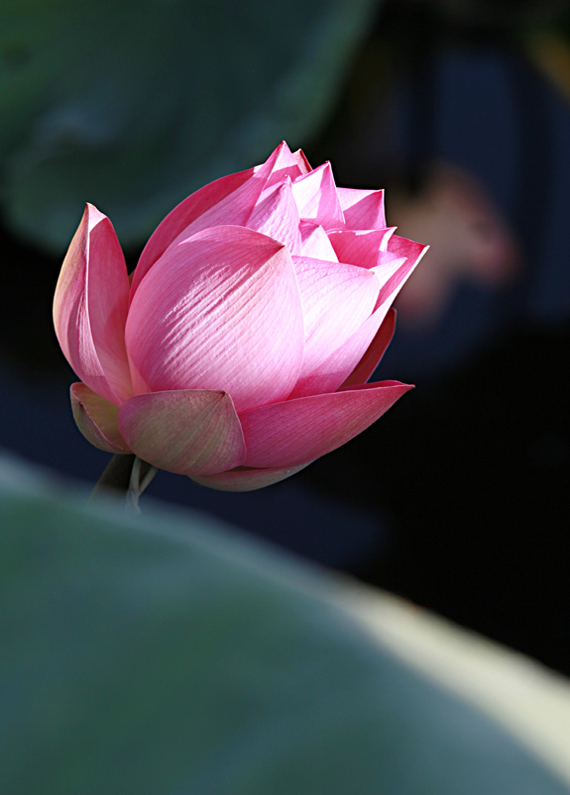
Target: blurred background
[{"x": 457, "y": 499}]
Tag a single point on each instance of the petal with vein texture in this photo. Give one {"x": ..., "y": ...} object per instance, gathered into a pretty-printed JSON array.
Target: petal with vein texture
[
  {"x": 191, "y": 432},
  {"x": 234, "y": 209},
  {"x": 317, "y": 198},
  {"x": 392, "y": 272},
  {"x": 337, "y": 299},
  {"x": 340, "y": 363},
  {"x": 393, "y": 278},
  {"x": 244, "y": 479},
  {"x": 220, "y": 311},
  {"x": 315, "y": 242},
  {"x": 298, "y": 431},
  {"x": 90, "y": 307},
  {"x": 403, "y": 247},
  {"x": 301, "y": 160},
  {"x": 363, "y": 209},
  {"x": 374, "y": 353},
  {"x": 183, "y": 215},
  {"x": 284, "y": 163},
  {"x": 227, "y": 200},
  {"x": 276, "y": 216},
  {"x": 360, "y": 247},
  {"x": 96, "y": 418}
]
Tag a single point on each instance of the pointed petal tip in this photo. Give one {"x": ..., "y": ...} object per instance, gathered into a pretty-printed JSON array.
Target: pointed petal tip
[
  {"x": 189, "y": 432},
  {"x": 90, "y": 307},
  {"x": 375, "y": 351},
  {"x": 301, "y": 430},
  {"x": 398, "y": 387},
  {"x": 302, "y": 161},
  {"x": 93, "y": 216}
]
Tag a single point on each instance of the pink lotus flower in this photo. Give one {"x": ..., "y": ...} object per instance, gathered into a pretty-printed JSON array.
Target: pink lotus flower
[{"x": 239, "y": 351}]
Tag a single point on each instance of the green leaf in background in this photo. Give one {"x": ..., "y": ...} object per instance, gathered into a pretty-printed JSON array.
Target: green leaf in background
[
  {"x": 169, "y": 655},
  {"x": 132, "y": 106}
]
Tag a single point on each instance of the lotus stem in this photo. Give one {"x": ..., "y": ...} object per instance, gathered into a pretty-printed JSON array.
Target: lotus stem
[{"x": 126, "y": 474}]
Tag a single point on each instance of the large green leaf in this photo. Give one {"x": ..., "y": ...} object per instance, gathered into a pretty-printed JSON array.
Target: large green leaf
[
  {"x": 132, "y": 106},
  {"x": 166, "y": 655}
]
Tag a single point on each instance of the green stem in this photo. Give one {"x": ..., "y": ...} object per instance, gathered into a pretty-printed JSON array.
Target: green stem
[{"x": 128, "y": 475}]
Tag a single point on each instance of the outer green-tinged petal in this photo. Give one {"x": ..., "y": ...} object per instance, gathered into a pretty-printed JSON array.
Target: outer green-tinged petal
[
  {"x": 192, "y": 432},
  {"x": 96, "y": 418},
  {"x": 90, "y": 307},
  {"x": 244, "y": 479},
  {"x": 219, "y": 311},
  {"x": 298, "y": 431}
]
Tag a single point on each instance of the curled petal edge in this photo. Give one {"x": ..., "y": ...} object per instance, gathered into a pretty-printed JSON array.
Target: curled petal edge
[
  {"x": 374, "y": 353},
  {"x": 246, "y": 479},
  {"x": 96, "y": 418},
  {"x": 90, "y": 307}
]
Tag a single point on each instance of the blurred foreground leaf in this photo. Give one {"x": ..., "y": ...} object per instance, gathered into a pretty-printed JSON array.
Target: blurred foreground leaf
[
  {"x": 132, "y": 106},
  {"x": 167, "y": 654}
]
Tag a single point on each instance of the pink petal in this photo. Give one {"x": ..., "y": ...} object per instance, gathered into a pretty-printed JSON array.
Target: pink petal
[
  {"x": 191, "y": 432},
  {"x": 183, "y": 215},
  {"x": 280, "y": 158},
  {"x": 283, "y": 163},
  {"x": 387, "y": 265},
  {"x": 236, "y": 208},
  {"x": 360, "y": 247},
  {"x": 337, "y": 368},
  {"x": 298, "y": 431},
  {"x": 340, "y": 363},
  {"x": 277, "y": 216},
  {"x": 403, "y": 247},
  {"x": 337, "y": 299},
  {"x": 228, "y": 200},
  {"x": 96, "y": 418},
  {"x": 392, "y": 277},
  {"x": 363, "y": 209},
  {"x": 90, "y": 307},
  {"x": 301, "y": 160},
  {"x": 244, "y": 479},
  {"x": 392, "y": 272},
  {"x": 316, "y": 197},
  {"x": 374, "y": 353},
  {"x": 315, "y": 242},
  {"x": 220, "y": 311}
]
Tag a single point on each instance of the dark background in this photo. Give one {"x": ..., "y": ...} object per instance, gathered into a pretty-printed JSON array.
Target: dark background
[{"x": 457, "y": 498}]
